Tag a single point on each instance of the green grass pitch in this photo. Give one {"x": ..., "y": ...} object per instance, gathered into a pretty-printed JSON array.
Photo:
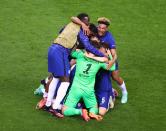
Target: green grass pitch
[{"x": 27, "y": 28}]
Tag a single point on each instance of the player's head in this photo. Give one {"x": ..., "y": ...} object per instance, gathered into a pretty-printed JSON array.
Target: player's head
[
  {"x": 94, "y": 39},
  {"x": 96, "y": 45},
  {"x": 93, "y": 30},
  {"x": 103, "y": 47},
  {"x": 84, "y": 18},
  {"x": 103, "y": 24}
]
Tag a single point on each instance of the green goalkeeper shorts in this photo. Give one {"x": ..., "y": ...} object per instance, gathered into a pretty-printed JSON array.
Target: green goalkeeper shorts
[{"x": 76, "y": 93}]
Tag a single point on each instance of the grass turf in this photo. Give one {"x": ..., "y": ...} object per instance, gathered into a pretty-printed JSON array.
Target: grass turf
[{"x": 26, "y": 30}]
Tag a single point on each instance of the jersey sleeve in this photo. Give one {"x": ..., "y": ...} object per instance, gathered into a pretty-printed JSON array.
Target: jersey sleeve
[
  {"x": 111, "y": 41},
  {"x": 77, "y": 54},
  {"x": 85, "y": 41}
]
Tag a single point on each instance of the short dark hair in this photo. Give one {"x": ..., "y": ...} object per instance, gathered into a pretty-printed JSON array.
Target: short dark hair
[
  {"x": 93, "y": 28},
  {"x": 96, "y": 45},
  {"x": 105, "y": 45},
  {"x": 81, "y": 16}
]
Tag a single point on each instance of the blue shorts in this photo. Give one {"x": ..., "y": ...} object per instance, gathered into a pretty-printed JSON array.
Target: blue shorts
[
  {"x": 58, "y": 60},
  {"x": 103, "y": 98},
  {"x": 103, "y": 88}
]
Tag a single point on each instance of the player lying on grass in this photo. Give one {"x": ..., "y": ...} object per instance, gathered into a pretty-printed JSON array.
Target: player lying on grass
[
  {"x": 105, "y": 36},
  {"x": 83, "y": 85}
]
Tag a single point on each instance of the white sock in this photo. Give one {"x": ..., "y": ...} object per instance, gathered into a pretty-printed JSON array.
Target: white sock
[
  {"x": 60, "y": 94},
  {"x": 123, "y": 88},
  {"x": 45, "y": 94},
  {"x": 51, "y": 91}
]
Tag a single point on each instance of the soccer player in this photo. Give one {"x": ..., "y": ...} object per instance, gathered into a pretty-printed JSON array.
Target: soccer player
[
  {"x": 103, "y": 86},
  {"x": 58, "y": 62},
  {"x": 105, "y": 36},
  {"x": 83, "y": 86}
]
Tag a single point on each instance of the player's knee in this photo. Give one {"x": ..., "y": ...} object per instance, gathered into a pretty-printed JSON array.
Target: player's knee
[{"x": 102, "y": 111}]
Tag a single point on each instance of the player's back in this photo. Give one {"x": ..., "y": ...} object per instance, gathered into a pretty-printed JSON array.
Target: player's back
[
  {"x": 86, "y": 70},
  {"x": 68, "y": 36}
]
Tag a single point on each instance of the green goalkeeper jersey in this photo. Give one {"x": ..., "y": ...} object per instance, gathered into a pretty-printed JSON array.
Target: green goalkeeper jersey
[{"x": 86, "y": 70}]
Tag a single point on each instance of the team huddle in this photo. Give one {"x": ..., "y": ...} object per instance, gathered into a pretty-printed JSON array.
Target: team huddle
[{"x": 82, "y": 61}]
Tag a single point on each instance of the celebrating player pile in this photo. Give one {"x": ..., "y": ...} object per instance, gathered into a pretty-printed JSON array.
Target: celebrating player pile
[{"x": 82, "y": 60}]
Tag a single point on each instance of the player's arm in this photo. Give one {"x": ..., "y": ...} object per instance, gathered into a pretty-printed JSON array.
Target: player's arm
[
  {"x": 110, "y": 66},
  {"x": 83, "y": 25},
  {"x": 112, "y": 47},
  {"x": 114, "y": 55},
  {"x": 111, "y": 63},
  {"x": 100, "y": 59},
  {"x": 85, "y": 40}
]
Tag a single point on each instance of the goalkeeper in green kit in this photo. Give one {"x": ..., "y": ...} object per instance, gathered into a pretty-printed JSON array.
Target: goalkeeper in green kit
[{"x": 87, "y": 65}]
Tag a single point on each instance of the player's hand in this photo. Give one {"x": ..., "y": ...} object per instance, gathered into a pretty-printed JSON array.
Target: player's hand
[
  {"x": 106, "y": 55},
  {"x": 85, "y": 29},
  {"x": 108, "y": 51},
  {"x": 110, "y": 63}
]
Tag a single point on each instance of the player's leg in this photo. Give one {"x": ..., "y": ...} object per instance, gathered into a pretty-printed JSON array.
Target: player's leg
[
  {"x": 103, "y": 91},
  {"x": 57, "y": 66},
  {"x": 72, "y": 73},
  {"x": 90, "y": 101},
  {"x": 103, "y": 98},
  {"x": 46, "y": 82},
  {"x": 69, "y": 107},
  {"x": 51, "y": 91},
  {"x": 121, "y": 84},
  {"x": 62, "y": 70},
  {"x": 61, "y": 92}
]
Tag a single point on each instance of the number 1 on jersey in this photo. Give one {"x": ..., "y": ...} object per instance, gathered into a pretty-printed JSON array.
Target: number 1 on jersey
[{"x": 88, "y": 67}]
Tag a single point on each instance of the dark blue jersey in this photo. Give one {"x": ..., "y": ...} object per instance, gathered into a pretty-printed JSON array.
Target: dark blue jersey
[
  {"x": 82, "y": 38},
  {"x": 109, "y": 39}
]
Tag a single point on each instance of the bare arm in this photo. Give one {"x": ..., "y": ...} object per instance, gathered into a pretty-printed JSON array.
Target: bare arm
[
  {"x": 114, "y": 55},
  {"x": 83, "y": 25}
]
